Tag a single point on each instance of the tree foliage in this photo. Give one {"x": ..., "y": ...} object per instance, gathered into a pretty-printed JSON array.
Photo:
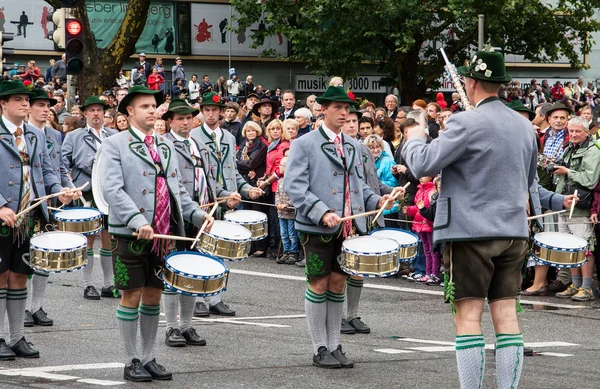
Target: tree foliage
[
  {"x": 102, "y": 66},
  {"x": 404, "y": 36}
]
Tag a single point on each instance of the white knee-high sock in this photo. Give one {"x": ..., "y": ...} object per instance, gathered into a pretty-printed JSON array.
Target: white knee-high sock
[
  {"x": 470, "y": 359},
  {"x": 316, "y": 317},
  {"x": 509, "y": 360}
]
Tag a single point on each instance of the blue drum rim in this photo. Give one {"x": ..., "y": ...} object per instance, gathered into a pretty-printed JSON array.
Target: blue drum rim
[
  {"x": 383, "y": 275},
  {"x": 560, "y": 266},
  {"x": 223, "y": 258},
  {"x": 537, "y": 242},
  {"x": 347, "y": 250},
  {"x": 99, "y": 216},
  {"x": 245, "y": 223},
  {"x": 230, "y": 239},
  {"x": 94, "y": 232},
  {"x": 45, "y": 250},
  {"x": 194, "y": 276},
  {"x": 402, "y": 246},
  {"x": 170, "y": 287}
]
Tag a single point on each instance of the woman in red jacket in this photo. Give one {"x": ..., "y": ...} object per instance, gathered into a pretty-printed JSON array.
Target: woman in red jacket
[{"x": 155, "y": 80}]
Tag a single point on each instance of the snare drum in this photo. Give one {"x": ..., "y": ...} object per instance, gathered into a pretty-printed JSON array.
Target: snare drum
[
  {"x": 86, "y": 221},
  {"x": 370, "y": 256},
  {"x": 407, "y": 241},
  {"x": 559, "y": 249},
  {"x": 194, "y": 274},
  {"x": 226, "y": 240},
  {"x": 58, "y": 252},
  {"x": 254, "y": 221}
]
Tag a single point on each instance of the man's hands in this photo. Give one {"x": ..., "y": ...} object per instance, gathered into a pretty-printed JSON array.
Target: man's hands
[
  {"x": 262, "y": 184},
  {"x": 255, "y": 193},
  {"x": 383, "y": 199},
  {"x": 8, "y": 216},
  {"x": 399, "y": 169},
  {"x": 281, "y": 206},
  {"x": 330, "y": 219},
  {"x": 594, "y": 218},
  {"x": 211, "y": 221},
  {"x": 561, "y": 170},
  {"x": 234, "y": 200},
  {"x": 145, "y": 232},
  {"x": 568, "y": 200},
  {"x": 68, "y": 196}
]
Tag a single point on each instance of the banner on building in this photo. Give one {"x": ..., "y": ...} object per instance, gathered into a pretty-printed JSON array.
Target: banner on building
[
  {"x": 158, "y": 37},
  {"x": 360, "y": 84},
  {"x": 27, "y": 21},
  {"x": 211, "y": 34}
]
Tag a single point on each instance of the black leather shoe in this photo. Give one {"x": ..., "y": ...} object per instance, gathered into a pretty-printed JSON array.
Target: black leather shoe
[
  {"x": 111, "y": 291},
  {"x": 260, "y": 255},
  {"x": 174, "y": 338},
  {"x": 325, "y": 360},
  {"x": 41, "y": 319},
  {"x": 292, "y": 259},
  {"x": 90, "y": 293},
  {"x": 528, "y": 352},
  {"x": 556, "y": 287},
  {"x": 135, "y": 372},
  {"x": 347, "y": 328},
  {"x": 359, "y": 326},
  {"x": 157, "y": 371},
  {"x": 192, "y": 338},
  {"x": 24, "y": 349},
  {"x": 341, "y": 358},
  {"x": 200, "y": 310},
  {"x": 28, "y": 319},
  {"x": 6, "y": 354},
  {"x": 222, "y": 309}
]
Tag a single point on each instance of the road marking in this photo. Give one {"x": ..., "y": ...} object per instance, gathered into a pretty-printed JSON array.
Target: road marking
[
  {"x": 397, "y": 288},
  {"x": 100, "y": 382},
  {"x": 433, "y": 349},
  {"x": 438, "y": 342},
  {"x": 556, "y": 354},
  {"x": 243, "y": 320},
  {"x": 550, "y": 344},
  {"x": 46, "y": 372},
  {"x": 88, "y": 366},
  {"x": 392, "y": 351},
  {"x": 267, "y": 317},
  {"x": 230, "y": 321}
]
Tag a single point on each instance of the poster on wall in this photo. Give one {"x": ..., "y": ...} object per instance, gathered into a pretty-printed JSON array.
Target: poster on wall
[
  {"x": 211, "y": 35},
  {"x": 158, "y": 36},
  {"x": 27, "y": 21}
]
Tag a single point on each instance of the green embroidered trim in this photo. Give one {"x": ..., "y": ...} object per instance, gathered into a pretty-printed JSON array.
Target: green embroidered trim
[
  {"x": 314, "y": 265},
  {"x": 325, "y": 238},
  {"x": 121, "y": 273},
  {"x": 519, "y": 307},
  {"x": 136, "y": 247},
  {"x": 355, "y": 283},
  {"x": 449, "y": 290},
  {"x": 4, "y": 231}
]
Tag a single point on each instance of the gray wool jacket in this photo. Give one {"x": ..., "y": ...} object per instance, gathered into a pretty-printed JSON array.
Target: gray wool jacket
[{"x": 488, "y": 159}]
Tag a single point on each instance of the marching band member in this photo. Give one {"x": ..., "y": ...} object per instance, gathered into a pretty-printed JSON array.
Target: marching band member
[
  {"x": 221, "y": 146},
  {"x": 323, "y": 187},
  {"x": 40, "y": 104},
  {"x": 199, "y": 183},
  {"x": 28, "y": 174},
  {"x": 141, "y": 183},
  {"x": 79, "y": 150},
  {"x": 483, "y": 154}
]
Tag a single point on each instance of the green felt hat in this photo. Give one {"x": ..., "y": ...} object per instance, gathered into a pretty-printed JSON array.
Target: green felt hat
[
  {"x": 14, "y": 87},
  {"x": 40, "y": 94},
  {"x": 517, "y": 105},
  {"x": 211, "y": 98},
  {"x": 356, "y": 111},
  {"x": 93, "y": 100},
  {"x": 557, "y": 107},
  {"x": 181, "y": 107},
  {"x": 335, "y": 93},
  {"x": 486, "y": 66},
  {"x": 139, "y": 90}
]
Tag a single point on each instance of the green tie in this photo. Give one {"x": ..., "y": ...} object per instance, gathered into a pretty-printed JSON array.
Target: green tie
[{"x": 219, "y": 171}]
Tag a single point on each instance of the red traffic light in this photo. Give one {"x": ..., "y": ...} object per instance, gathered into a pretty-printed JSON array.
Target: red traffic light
[{"x": 74, "y": 27}]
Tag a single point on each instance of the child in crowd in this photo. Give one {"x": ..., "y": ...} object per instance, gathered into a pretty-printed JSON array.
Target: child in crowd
[
  {"x": 286, "y": 212},
  {"x": 424, "y": 228}
]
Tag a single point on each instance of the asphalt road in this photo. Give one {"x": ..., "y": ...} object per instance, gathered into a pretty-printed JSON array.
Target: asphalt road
[{"x": 267, "y": 344}]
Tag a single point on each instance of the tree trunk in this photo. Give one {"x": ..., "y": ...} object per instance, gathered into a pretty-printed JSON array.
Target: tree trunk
[{"x": 411, "y": 88}]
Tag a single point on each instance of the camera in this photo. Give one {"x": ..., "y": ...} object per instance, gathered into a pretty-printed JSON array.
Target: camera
[{"x": 552, "y": 167}]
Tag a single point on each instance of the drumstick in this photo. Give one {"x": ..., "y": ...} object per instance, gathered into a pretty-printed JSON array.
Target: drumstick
[
  {"x": 573, "y": 204},
  {"x": 546, "y": 214},
  {"x": 256, "y": 202},
  {"x": 369, "y": 213},
  {"x": 387, "y": 201},
  {"x": 60, "y": 193},
  {"x": 219, "y": 200},
  {"x": 170, "y": 237},
  {"x": 212, "y": 211}
]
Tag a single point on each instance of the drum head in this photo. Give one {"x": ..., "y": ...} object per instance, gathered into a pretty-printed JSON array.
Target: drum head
[
  {"x": 97, "y": 185},
  {"x": 245, "y": 217},
  {"x": 195, "y": 264},
  {"x": 230, "y": 231},
  {"x": 560, "y": 241},
  {"x": 78, "y": 214},
  {"x": 403, "y": 238},
  {"x": 370, "y": 245},
  {"x": 57, "y": 241}
]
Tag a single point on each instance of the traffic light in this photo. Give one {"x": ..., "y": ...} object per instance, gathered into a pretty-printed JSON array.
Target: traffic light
[
  {"x": 58, "y": 34},
  {"x": 74, "y": 45},
  {"x": 5, "y": 37}
]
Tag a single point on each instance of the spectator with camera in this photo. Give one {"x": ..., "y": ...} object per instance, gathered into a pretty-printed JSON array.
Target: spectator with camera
[{"x": 579, "y": 169}]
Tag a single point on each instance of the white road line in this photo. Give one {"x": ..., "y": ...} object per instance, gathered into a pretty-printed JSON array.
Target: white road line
[
  {"x": 550, "y": 344},
  {"x": 556, "y": 355},
  {"x": 438, "y": 342},
  {"x": 398, "y": 288},
  {"x": 433, "y": 349},
  {"x": 392, "y": 351},
  {"x": 39, "y": 374},
  {"x": 88, "y": 366},
  {"x": 229, "y": 321},
  {"x": 100, "y": 382},
  {"x": 254, "y": 317}
]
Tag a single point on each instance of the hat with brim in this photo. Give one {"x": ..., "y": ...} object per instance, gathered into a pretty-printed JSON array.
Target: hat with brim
[
  {"x": 558, "y": 107},
  {"x": 93, "y": 100},
  {"x": 356, "y": 111},
  {"x": 252, "y": 95},
  {"x": 212, "y": 99},
  {"x": 517, "y": 105},
  {"x": 14, "y": 87},
  {"x": 40, "y": 94},
  {"x": 486, "y": 66},
  {"x": 274, "y": 105},
  {"x": 139, "y": 90},
  {"x": 179, "y": 106},
  {"x": 335, "y": 93}
]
